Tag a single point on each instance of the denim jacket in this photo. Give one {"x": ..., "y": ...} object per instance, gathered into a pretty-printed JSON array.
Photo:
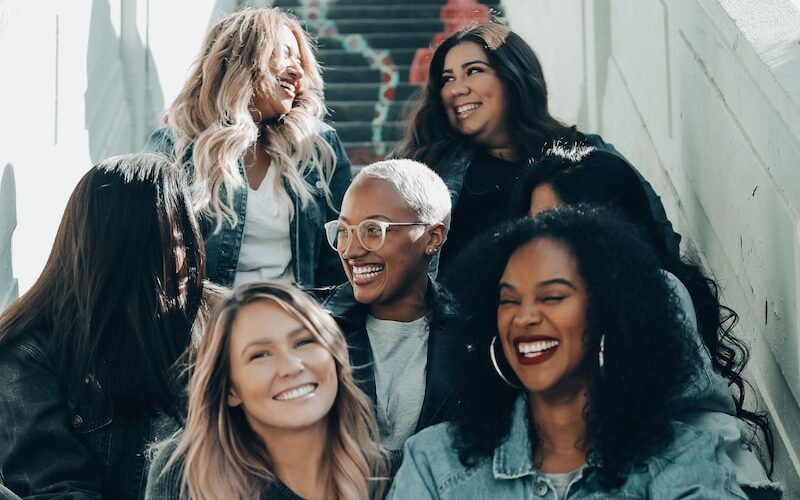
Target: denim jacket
[
  {"x": 56, "y": 445},
  {"x": 693, "y": 466},
  {"x": 454, "y": 171},
  {"x": 314, "y": 263}
]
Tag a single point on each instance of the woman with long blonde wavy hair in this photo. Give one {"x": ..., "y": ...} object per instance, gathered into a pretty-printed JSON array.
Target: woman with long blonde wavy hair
[
  {"x": 267, "y": 173},
  {"x": 273, "y": 409}
]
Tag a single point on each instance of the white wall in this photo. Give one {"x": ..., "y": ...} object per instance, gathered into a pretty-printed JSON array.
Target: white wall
[
  {"x": 82, "y": 80},
  {"x": 703, "y": 96}
]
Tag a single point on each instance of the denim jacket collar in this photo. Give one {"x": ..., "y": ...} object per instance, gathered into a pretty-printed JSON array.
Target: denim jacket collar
[{"x": 513, "y": 459}]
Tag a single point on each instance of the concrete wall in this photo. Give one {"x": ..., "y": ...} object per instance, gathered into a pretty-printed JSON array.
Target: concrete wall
[
  {"x": 703, "y": 96},
  {"x": 82, "y": 80}
]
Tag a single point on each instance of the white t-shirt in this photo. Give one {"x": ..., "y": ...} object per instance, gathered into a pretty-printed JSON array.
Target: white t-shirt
[{"x": 266, "y": 252}]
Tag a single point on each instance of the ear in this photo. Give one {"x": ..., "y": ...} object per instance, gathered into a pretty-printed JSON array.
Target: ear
[
  {"x": 233, "y": 398},
  {"x": 434, "y": 236}
]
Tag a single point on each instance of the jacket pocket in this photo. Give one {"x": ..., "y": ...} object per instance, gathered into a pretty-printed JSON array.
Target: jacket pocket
[{"x": 91, "y": 419}]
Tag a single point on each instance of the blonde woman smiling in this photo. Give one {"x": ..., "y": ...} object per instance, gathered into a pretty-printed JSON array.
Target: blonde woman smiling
[
  {"x": 267, "y": 173},
  {"x": 273, "y": 409}
]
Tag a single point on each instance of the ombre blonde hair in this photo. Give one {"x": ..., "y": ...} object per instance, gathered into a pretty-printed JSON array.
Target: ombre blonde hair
[
  {"x": 211, "y": 117},
  {"x": 223, "y": 457}
]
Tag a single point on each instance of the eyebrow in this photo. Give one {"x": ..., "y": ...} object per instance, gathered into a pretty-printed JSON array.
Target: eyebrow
[
  {"x": 542, "y": 284},
  {"x": 263, "y": 341},
  {"x": 477, "y": 61},
  {"x": 374, "y": 216}
]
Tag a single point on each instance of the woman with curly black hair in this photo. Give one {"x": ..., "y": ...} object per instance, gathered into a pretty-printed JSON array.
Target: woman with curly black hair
[
  {"x": 583, "y": 354},
  {"x": 580, "y": 174}
]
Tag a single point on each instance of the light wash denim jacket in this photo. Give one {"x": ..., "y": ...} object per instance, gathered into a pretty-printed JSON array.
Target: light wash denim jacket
[
  {"x": 314, "y": 263},
  {"x": 694, "y": 466}
]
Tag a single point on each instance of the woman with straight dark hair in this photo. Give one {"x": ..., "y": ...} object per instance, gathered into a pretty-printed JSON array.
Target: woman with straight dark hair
[
  {"x": 480, "y": 119},
  {"x": 581, "y": 174},
  {"x": 584, "y": 355},
  {"x": 89, "y": 355}
]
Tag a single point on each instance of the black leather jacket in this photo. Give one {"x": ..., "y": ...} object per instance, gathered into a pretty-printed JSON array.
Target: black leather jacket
[{"x": 445, "y": 346}]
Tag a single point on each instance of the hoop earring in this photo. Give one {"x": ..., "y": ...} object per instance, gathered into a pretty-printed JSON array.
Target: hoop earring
[
  {"x": 601, "y": 353},
  {"x": 493, "y": 357},
  {"x": 260, "y": 116}
]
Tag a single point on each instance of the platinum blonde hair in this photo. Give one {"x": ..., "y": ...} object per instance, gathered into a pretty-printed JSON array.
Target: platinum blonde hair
[
  {"x": 420, "y": 188},
  {"x": 223, "y": 457},
  {"x": 211, "y": 117}
]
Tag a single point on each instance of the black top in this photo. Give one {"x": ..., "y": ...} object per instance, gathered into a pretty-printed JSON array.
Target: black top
[{"x": 482, "y": 203}]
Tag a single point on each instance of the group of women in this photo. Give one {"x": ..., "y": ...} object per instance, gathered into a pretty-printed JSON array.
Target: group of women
[{"x": 228, "y": 316}]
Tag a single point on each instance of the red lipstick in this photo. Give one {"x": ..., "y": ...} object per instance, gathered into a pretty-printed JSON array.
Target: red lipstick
[{"x": 543, "y": 353}]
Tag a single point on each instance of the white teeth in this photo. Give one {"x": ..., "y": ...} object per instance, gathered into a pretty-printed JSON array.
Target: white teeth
[
  {"x": 296, "y": 393},
  {"x": 366, "y": 271},
  {"x": 466, "y": 107},
  {"x": 531, "y": 349}
]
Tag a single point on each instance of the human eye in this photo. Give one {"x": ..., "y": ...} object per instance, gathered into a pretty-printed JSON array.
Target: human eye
[
  {"x": 552, "y": 297},
  {"x": 474, "y": 69},
  {"x": 447, "y": 78},
  {"x": 506, "y": 300},
  {"x": 258, "y": 355},
  {"x": 305, "y": 341},
  {"x": 372, "y": 229}
]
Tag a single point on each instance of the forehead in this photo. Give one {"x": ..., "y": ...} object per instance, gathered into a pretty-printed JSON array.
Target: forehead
[
  {"x": 462, "y": 53},
  {"x": 370, "y": 197},
  {"x": 286, "y": 38},
  {"x": 262, "y": 319},
  {"x": 540, "y": 260}
]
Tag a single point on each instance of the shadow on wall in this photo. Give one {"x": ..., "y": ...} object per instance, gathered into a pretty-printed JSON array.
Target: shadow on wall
[
  {"x": 123, "y": 97},
  {"x": 9, "y": 288}
]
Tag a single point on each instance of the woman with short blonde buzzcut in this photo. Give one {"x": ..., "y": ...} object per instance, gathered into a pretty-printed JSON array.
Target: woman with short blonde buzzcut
[
  {"x": 273, "y": 409},
  {"x": 267, "y": 173}
]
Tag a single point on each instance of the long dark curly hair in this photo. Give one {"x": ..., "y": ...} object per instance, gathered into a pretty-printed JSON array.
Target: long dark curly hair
[
  {"x": 581, "y": 174},
  {"x": 431, "y": 140},
  {"x": 648, "y": 359}
]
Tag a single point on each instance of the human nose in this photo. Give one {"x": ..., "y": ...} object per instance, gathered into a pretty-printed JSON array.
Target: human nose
[
  {"x": 353, "y": 248},
  {"x": 294, "y": 69},
  {"x": 458, "y": 86},
  {"x": 528, "y": 313},
  {"x": 289, "y": 364}
]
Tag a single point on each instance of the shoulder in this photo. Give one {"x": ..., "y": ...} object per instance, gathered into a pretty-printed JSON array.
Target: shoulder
[
  {"x": 160, "y": 141},
  {"x": 164, "y": 482},
  {"x": 430, "y": 459},
  {"x": 694, "y": 456},
  {"x": 27, "y": 347}
]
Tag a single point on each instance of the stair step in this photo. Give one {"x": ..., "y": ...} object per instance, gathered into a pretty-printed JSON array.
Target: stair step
[
  {"x": 340, "y": 57},
  {"x": 362, "y": 131},
  {"x": 365, "y": 91},
  {"x": 393, "y": 11},
  {"x": 363, "y": 153},
  {"x": 284, "y": 4},
  {"x": 386, "y": 40},
  {"x": 384, "y": 25},
  {"x": 363, "y": 74},
  {"x": 356, "y": 111}
]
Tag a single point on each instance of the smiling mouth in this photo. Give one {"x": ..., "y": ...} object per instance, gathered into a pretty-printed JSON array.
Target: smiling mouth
[
  {"x": 288, "y": 87},
  {"x": 533, "y": 351},
  {"x": 464, "y": 109},
  {"x": 363, "y": 273},
  {"x": 296, "y": 393}
]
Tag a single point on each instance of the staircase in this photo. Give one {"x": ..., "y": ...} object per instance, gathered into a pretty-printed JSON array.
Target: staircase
[{"x": 366, "y": 48}]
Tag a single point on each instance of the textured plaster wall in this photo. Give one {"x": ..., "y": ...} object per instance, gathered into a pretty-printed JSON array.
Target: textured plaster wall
[
  {"x": 703, "y": 96},
  {"x": 82, "y": 80}
]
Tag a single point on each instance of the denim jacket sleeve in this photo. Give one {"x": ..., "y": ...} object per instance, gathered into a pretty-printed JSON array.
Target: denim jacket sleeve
[
  {"x": 163, "y": 483},
  {"x": 329, "y": 269},
  {"x": 40, "y": 455},
  {"x": 695, "y": 468}
]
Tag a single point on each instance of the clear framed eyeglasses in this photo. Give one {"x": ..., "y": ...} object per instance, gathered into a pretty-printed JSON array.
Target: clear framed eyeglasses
[{"x": 371, "y": 233}]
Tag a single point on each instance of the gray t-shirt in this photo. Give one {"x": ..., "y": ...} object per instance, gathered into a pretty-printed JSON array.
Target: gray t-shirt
[{"x": 400, "y": 352}]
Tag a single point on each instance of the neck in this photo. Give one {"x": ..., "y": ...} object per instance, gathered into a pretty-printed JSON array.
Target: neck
[
  {"x": 407, "y": 308},
  {"x": 298, "y": 458},
  {"x": 504, "y": 152},
  {"x": 561, "y": 428}
]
